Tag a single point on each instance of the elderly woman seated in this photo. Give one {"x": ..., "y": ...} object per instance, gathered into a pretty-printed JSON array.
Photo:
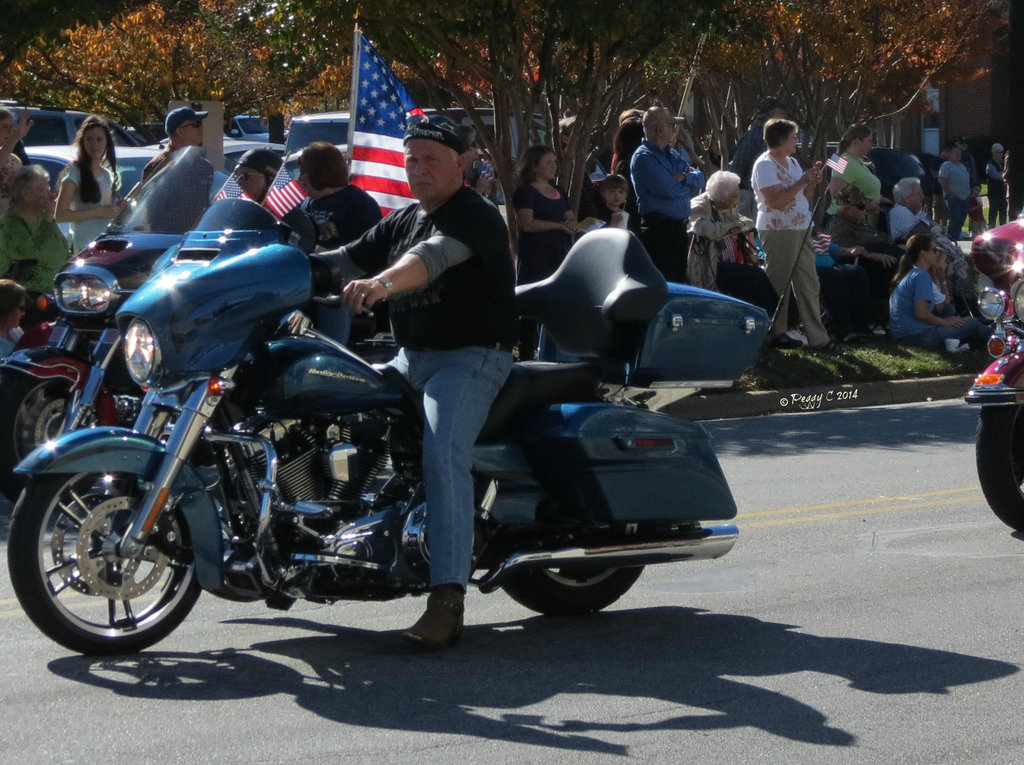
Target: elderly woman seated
[
  {"x": 723, "y": 255},
  {"x": 32, "y": 248}
]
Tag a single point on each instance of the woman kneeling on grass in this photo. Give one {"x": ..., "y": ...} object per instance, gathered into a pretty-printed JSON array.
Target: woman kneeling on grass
[{"x": 916, "y": 317}]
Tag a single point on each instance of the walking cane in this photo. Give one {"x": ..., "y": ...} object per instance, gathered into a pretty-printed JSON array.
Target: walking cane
[{"x": 789, "y": 279}]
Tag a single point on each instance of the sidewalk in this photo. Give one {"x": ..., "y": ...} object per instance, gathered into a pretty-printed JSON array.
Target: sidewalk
[{"x": 717, "y": 406}]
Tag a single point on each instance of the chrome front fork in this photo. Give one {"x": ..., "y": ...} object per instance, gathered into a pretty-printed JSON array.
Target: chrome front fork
[{"x": 188, "y": 428}]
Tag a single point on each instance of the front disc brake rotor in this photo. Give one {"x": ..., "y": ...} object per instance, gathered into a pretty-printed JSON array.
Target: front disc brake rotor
[{"x": 106, "y": 574}]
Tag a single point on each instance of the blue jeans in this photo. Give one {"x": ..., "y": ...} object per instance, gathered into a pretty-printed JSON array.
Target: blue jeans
[
  {"x": 934, "y": 337},
  {"x": 957, "y": 216},
  {"x": 458, "y": 389}
]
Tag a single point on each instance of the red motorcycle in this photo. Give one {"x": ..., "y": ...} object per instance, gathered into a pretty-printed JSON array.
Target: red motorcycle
[{"x": 999, "y": 390}]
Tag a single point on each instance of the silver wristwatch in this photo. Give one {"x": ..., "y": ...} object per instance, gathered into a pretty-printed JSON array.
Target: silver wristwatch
[{"x": 387, "y": 284}]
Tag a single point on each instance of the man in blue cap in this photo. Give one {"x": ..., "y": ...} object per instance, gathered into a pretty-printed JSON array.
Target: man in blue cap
[
  {"x": 445, "y": 269},
  {"x": 184, "y": 127}
]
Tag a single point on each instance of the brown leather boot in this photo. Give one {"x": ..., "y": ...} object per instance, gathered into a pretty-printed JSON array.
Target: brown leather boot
[{"x": 441, "y": 624}]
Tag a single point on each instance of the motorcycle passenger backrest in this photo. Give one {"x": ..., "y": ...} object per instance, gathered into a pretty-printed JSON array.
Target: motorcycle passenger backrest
[
  {"x": 606, "y": 289},
  {"x": 298, "y": 230}
]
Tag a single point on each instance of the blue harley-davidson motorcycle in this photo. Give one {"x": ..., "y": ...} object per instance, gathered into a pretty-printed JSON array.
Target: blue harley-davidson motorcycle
[{"x": 270, "y": 463}]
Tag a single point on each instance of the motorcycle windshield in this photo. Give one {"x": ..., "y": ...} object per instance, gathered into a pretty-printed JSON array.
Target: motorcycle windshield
[
  {"x": 172, "y": 200},
  {"x": 237, "y": 215},
  {"x": 207, "y": 316}
]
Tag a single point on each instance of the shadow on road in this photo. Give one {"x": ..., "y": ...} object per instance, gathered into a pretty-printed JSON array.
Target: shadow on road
[
  {"x": 692, "y": 660},
  {"x": 870, "y": 428}
]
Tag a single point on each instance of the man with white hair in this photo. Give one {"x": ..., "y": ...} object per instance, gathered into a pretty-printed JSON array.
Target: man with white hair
[
  {"x": 908, "y": 215},
  {"x": 664, "y": 183}
]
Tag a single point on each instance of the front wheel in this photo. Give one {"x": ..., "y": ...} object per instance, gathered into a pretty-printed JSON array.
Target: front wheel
[
  {"x": 570, "y": 591},
  {"x": 33, "y": 412},
  {"x": 68, "y": 576},
  {"x": 999, "y": 449}
]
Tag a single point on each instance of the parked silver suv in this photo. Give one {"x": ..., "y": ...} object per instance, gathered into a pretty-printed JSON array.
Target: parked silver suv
[{"x": 57, "y": 127}]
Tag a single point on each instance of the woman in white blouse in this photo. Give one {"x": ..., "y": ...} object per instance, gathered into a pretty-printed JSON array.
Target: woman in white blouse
[{"x": 783, "y": 192}]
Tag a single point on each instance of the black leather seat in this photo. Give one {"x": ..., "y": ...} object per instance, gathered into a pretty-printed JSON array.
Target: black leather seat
[{"x": 533, "y": 385}]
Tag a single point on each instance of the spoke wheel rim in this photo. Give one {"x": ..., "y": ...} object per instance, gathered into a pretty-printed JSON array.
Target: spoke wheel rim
[
  {"x": 40, "y": 418},
  {"x": 94, "y": 590}
]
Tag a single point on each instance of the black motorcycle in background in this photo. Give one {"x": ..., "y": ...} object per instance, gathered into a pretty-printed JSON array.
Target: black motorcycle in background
[{"x": 78, "y": 378}]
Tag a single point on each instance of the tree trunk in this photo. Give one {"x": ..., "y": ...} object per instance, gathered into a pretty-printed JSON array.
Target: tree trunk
[{"x": 1015, "y": 157}]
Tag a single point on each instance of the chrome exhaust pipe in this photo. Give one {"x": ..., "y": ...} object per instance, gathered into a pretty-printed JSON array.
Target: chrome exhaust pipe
[{"x": 714, "y": 542}]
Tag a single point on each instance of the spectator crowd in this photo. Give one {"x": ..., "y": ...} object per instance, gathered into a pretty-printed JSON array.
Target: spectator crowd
[{"x": 830, "y": 258}]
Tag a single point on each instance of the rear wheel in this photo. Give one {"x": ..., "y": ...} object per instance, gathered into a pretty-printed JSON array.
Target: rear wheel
[
  {"x": 570, "y": 591},
  {"x": 999, "y": 449},
  {"x": 71, "y": 581},
  {"x": 33, "y": 412}
]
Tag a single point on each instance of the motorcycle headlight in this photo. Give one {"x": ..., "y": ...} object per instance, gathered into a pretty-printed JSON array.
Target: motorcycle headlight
[
  {"x": 991, "y": 303},
  {"x": 141, "y": 351},
  {"x": 79, "y": 293},
  {"x": 1017, "y": 296}
]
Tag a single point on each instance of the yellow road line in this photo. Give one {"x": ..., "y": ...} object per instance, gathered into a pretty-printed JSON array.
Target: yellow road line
[
  {"x": 951, "y": 493},
  {"x": 843, "y": 514}
]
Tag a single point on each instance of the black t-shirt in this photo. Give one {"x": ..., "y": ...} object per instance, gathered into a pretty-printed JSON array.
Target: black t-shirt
[
  {"x": 472, "y": 303},
  {"x": 343, "y": 216}
]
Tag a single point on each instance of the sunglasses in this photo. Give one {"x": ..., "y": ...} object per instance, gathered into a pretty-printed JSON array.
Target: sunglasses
[{"x": 247, "y": 175}]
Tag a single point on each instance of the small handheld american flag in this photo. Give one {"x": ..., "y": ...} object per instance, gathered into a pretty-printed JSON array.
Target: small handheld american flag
[
  {"x": 284, "y": 193},
  {"x": 821, "y": 244},
  {"x": 837, "y": 163},
  {"x": 231, "y": 188}
]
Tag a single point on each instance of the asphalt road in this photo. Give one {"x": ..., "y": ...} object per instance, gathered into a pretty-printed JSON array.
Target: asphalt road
[{"x": 871, "y": 613}]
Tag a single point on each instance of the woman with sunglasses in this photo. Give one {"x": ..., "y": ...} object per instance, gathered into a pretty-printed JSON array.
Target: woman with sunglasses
[{"x": 918, "y": 313}]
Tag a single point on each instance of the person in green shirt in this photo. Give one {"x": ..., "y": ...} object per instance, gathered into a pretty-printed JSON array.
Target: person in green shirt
[
  {"x": 32, "y": 247},
  {"x": 854, "y": 147}
]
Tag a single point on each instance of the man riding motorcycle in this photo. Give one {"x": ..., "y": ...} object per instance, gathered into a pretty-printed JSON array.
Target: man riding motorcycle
[
  {"x": 256, "y": 171},
  {"x": 445, "y": 268}
]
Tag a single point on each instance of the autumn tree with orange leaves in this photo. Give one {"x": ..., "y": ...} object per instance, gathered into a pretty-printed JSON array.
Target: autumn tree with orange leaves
[
  {"x": 133, "y": 65},
  {"x": 525, "y": 57},
  {"x": 28, "y": 20},
  {"x": 837, "y": 62}
]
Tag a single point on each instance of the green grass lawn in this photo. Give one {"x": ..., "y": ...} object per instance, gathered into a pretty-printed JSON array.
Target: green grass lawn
[{"x": 885, "y": 360}]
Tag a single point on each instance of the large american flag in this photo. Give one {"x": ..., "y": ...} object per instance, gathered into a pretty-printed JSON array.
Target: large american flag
[
  {"x": 378, "y": 112},
  {"x": 284, "y": 193}
]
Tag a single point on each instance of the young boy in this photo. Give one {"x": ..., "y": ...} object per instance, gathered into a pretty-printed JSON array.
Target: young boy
[{"x": 613, "y": 190}]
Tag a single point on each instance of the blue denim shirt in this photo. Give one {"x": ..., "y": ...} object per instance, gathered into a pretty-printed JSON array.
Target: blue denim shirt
[{"x": 656, "y": 190}]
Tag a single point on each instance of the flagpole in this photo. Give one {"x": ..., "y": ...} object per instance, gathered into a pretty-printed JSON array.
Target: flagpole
[
  {"x": 357, "y": 52},
  {"x": 693, "y": 73}
]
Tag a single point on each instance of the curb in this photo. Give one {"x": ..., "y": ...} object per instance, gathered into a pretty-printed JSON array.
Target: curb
[{"x": 719, "y": 406}]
